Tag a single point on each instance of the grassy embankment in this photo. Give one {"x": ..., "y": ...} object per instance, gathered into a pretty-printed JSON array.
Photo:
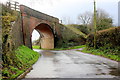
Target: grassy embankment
[
  {"x": 25, "y": 58},
  {"x": 77, "y": 31}
]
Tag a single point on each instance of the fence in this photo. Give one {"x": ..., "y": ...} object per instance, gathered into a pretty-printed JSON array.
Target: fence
[{"x": 13, "y": 5}]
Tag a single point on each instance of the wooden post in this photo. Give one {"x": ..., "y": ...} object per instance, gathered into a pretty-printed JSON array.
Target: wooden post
[
  {"x": 9, "y": 5},
  {"x": 15, "y": 5},
  {"x": 94, "y": 24}
]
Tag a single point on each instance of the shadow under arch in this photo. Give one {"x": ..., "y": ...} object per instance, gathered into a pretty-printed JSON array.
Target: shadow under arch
[{"x": 46, "y": 36}]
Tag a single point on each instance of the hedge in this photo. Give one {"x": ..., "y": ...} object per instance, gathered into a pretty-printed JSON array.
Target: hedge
[{"x": 108, "y": 37}]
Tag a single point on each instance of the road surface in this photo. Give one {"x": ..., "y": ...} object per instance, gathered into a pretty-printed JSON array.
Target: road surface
[{"x": 72, "y": 64}]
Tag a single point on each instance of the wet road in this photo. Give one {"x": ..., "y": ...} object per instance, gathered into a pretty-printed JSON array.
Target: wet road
[{"x": 72, "y": 64}]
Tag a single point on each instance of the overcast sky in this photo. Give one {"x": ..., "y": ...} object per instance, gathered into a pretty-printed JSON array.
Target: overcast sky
[{"x": 71, "y": 8}]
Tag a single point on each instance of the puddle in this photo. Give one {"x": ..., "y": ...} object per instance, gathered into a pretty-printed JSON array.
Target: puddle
[
  {"x": 92, "y": 63},
  {"x": 99, "y": 70},
  {"x": 114, "y": 71},
  {"x": 55, "y": 60},
  {"x": 48, "y": 53},
  {"x": 101, "y": 74}
]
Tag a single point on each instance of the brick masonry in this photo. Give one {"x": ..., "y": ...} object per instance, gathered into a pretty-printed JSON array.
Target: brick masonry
[{"x": 48, "y": 27}]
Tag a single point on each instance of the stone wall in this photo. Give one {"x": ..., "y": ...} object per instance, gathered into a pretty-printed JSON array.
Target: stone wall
[{"x": 17, "y": 32}]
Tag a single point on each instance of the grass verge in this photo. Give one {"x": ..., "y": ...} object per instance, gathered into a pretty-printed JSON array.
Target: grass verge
[
  {"x": 24, "y": 59},
  {"x": 107, "y": 53},
  {"x": 26, "y": 55},
  {"x": 75, "y": 47},
  {"x": 36, "y": 47}
]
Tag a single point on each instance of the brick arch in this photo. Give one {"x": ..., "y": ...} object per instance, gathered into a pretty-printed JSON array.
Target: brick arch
[
  {"x": 35, "y": 22},
  {"x": 46, "y": 34},
  {"x": 32, "y": 19}
]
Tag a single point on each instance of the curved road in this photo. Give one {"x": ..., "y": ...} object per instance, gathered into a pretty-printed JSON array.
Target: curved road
[{"x": 72, "y": 64}]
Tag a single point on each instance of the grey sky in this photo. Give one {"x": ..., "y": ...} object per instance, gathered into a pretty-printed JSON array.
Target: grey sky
[
  {"x": 71, "y": 8},
  {"x": 119, "y": 14}
]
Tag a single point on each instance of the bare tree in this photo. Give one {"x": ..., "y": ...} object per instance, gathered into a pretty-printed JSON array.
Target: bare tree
[
  {"x": 104, "y": 20},
  {"x": 67, "y": 20},
  {"x": 85, "y": 18}
]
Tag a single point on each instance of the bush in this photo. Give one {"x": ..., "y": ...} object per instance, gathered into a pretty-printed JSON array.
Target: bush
[{"x": 109, "y": 37}]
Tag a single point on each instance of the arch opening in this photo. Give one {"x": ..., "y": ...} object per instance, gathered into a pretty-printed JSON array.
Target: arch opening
[
  {"x": 46, "y": 36},
  {"x": 35, "y": 39}
]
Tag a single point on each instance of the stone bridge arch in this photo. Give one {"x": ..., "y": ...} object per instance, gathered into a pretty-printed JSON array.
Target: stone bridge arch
[{"x": 46, "y": 35}]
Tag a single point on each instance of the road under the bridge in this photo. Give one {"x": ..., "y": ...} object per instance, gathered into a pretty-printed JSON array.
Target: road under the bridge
[{"x": 72, "y": 64}]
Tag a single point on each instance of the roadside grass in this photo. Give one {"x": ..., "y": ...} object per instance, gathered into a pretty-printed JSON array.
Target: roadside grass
[
  {"x": 26, "y": 55},
  {"x": 107, "y": 53},
  {"x": 75, "y": 47},
  {"x": 24, "y": 59},
  {"x": 36, "y": 47}
]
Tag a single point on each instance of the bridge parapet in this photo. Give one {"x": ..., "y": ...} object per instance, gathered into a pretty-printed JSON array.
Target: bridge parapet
[{"x": 37, "y": 14}]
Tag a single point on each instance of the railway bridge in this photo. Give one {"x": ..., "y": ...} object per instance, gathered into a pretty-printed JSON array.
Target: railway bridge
[{"x": 46, "y": 25}]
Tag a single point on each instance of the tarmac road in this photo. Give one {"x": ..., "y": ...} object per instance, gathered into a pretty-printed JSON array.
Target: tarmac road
[{"x": 72, "y": 64}]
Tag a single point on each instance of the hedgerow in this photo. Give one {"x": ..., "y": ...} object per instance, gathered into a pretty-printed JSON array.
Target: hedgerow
[
  {"x": 109, "y": 37},
  {"x": 108, "y": 43}
]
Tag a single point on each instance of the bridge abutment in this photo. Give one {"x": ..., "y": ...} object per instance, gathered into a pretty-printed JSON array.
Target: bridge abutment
[{"x": 47, "y": 43}]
